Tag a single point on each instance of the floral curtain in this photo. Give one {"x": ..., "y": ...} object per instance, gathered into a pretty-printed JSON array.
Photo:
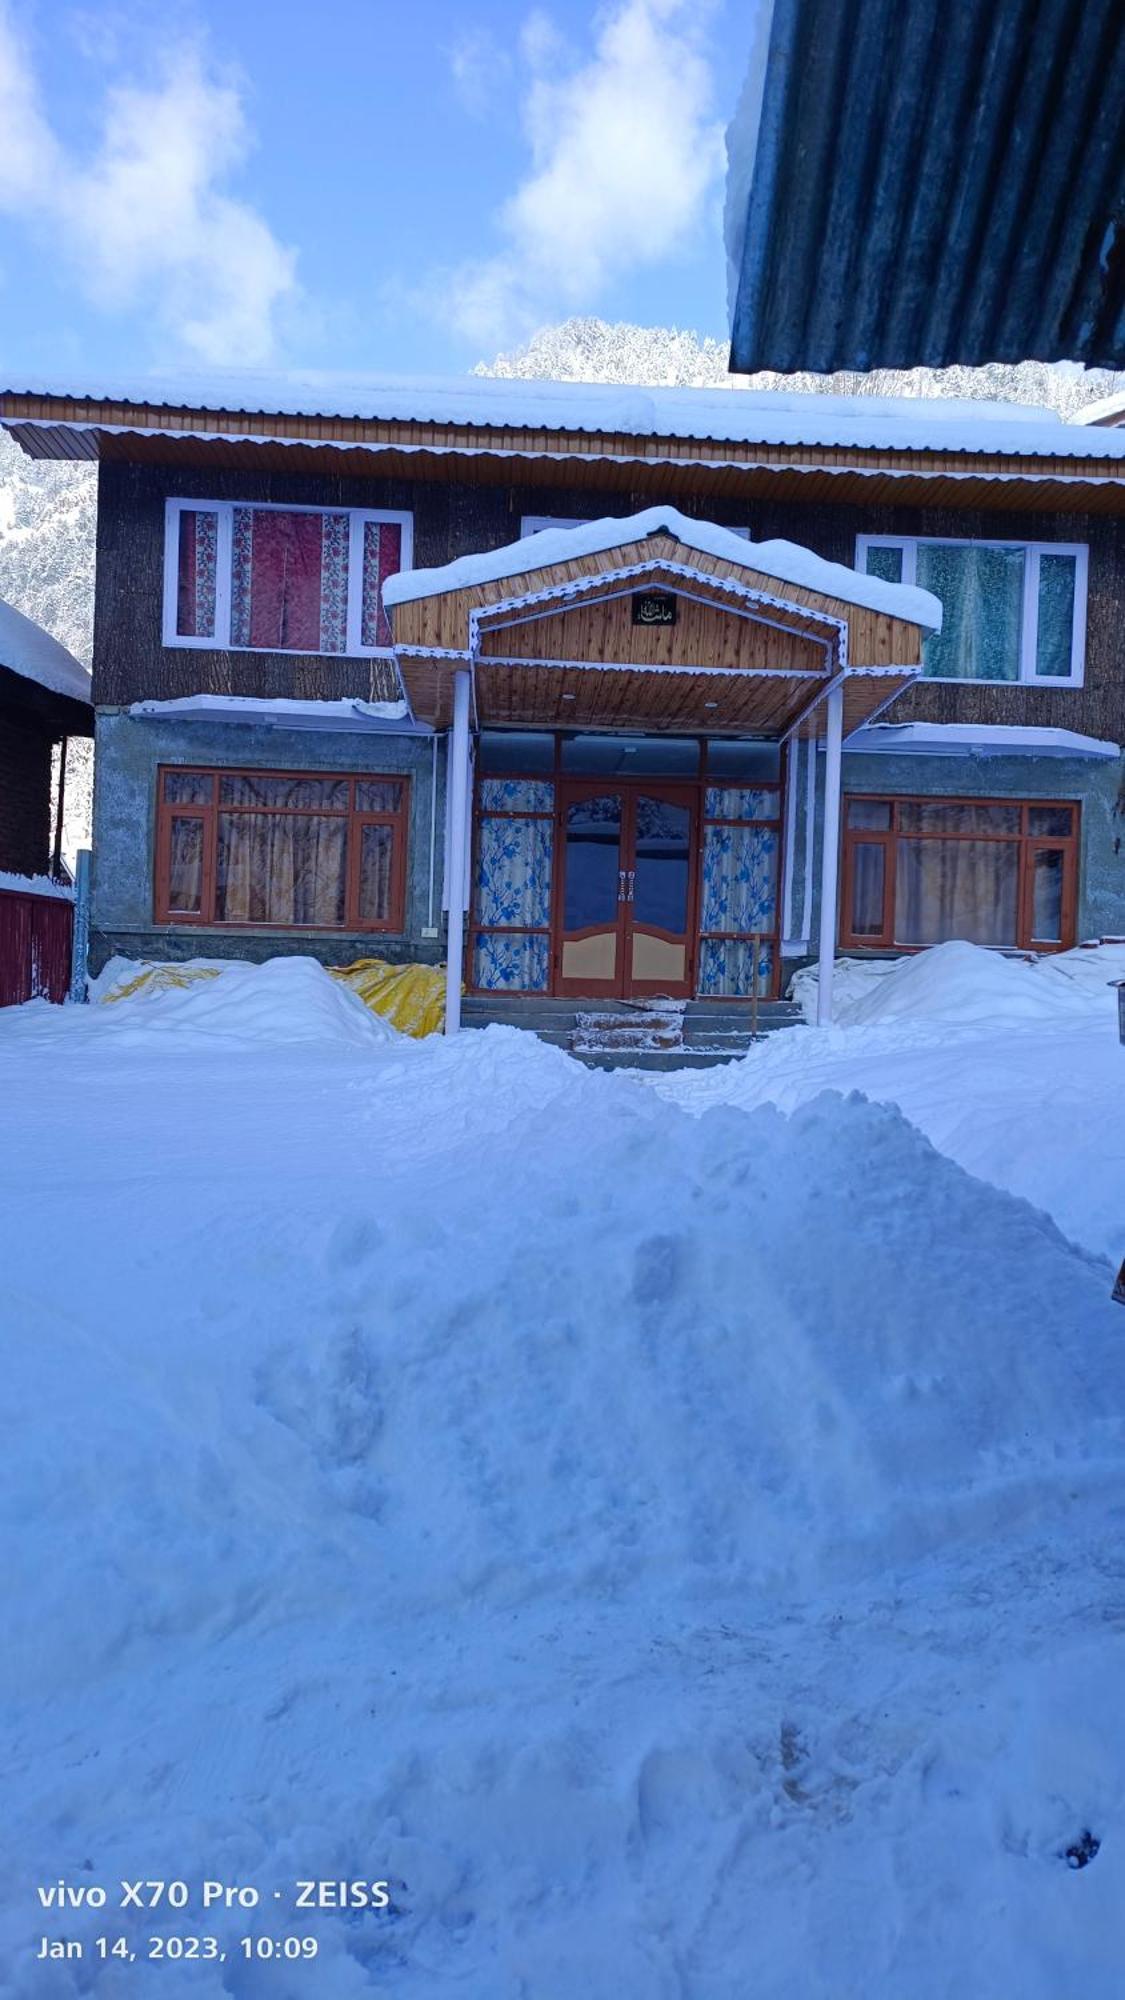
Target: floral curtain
[
  {"x": 727, "y": 967},
  {"x": 382, "y": 557},
  {"x": 739, "y": 878},
  {"x": 198, "y": 559},
  {"x": 512, "y": 893}
]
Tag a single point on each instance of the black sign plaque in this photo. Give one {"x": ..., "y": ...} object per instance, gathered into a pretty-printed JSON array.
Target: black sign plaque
[{"x": 654, "y": 607}]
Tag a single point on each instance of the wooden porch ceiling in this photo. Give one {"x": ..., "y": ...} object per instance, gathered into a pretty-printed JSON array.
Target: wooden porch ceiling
[{"x": 557, "y": 647}]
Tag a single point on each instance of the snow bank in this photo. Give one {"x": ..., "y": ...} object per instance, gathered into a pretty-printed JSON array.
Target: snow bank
[
  {"x": 962, "y": 983},
  {"x": 282, "y": 1000},
  {"x": 656, "y": 1544}
]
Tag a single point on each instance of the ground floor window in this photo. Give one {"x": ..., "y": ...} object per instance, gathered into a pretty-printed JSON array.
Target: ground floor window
[
  {"x": 918, "y": 871},
  {"x": 293, "y": 850}
]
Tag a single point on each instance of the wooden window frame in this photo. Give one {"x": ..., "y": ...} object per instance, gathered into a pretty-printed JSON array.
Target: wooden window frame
[
  {"x": 1029, "y": 624},
  {"x": 220, "y": 640},
  {"x": 1028, "y": 844},
  {"x": 357, "y": 818}
]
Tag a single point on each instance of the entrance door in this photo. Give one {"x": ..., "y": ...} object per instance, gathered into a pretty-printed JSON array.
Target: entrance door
[{"x": 625, "y": 914}]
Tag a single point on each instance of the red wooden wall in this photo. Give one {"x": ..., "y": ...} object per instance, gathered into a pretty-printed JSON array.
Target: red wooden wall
[{"x": 35, "y": 934}]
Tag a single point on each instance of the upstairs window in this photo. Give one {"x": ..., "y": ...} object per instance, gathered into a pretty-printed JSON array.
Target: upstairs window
[
  {"x": 270, "y": 579},
  {"x": 1013, "y": 611}
]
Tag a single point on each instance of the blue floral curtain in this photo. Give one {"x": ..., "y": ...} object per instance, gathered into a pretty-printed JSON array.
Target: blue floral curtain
[
  {"x": 741, "y": 855},
  {"x": 512, "y": 892}
]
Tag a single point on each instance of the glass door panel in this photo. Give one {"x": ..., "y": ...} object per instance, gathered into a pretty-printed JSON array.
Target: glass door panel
[
  {"x": 593, "y": 891},
  {"x": 658, "y": 904},
  {"x": 1047, "y": 891}
]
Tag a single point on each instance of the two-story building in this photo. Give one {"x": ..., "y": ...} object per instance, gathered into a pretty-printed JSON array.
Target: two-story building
[{"x": 606, "y": 692}]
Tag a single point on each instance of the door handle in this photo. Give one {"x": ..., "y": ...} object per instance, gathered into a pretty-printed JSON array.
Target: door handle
[
  {"x": 621, "y": 883},
  {"x": 632, "y": 884}
]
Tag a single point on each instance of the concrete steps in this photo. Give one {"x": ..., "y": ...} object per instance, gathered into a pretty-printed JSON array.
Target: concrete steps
[{"x": 611, "y": 1034}]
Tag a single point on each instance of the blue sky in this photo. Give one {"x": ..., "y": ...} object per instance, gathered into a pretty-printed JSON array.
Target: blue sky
[{"x": 381, "y": 186}]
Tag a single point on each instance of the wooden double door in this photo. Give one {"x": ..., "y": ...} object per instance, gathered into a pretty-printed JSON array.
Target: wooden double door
[{"x": 625, "y": 889}]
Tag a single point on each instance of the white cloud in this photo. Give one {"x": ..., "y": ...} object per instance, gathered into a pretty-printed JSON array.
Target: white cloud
[
  {"x": 480, "y": 68},
  {"x": 623, "y": 153},
  {"x": 144, "y": 220}
]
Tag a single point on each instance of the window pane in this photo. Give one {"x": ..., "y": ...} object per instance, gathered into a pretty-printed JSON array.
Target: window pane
[
  {"x": 869, "y": 867},
  {"x": 378, "y": 795},
  {"x": 187, "y": 788},
  {"x": 981, "y": 592},
  {"x": 957, "y": 816},
  {"x": 661, "y": 864},
  {"x": 376, "y": 860},
  {"x": 727, "y": 966},
  {"x": 1053, "y": 646},
  {"x": 289, "y": 580},
  {"x": 874, "y": 814},
  {"x": 631, "y": 756},
  {"x": 1050, "y": 819},
  {"x": 382, "y": 556},
  {"x": 513, "y": 750},
  {"x": 733, "y": 760},
  {"x": 510, "y": 961},
  {"x": 513, "y": 878},
  {"x": 280, "y": 869},
  {"x": 197, "y": 565},
  {"x": 730, "y": 802},
  {"x": 518, "y": 795},
  {"x": 185, "y": 866},
  {"x": 886, "y": 563},
  {"x": 739, "y": 878},
  {"x": 1046, "y": 896},
  {"x": 956, "y": 889},
  {"x": 249, "y": 788},
  {"x": 593, "y": 861}
]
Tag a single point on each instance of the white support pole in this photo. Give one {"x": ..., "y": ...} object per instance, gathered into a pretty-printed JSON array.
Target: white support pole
[
  {"x": 458, "y": 781},
  {"x": 830, "y": 856}
]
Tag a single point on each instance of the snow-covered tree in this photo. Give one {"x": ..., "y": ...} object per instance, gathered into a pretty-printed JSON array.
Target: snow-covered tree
[
  {"x": 47, "y": 519},
  {"x": 594, "y": 350}
]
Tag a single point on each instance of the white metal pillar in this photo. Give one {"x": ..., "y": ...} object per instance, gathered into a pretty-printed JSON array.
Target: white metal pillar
[
  {"x": 458, "y": 781},
  {"x": 830, "y": 856}
]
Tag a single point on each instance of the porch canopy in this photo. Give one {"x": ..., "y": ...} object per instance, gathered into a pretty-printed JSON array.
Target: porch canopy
[{"x": 654, "y": 622}]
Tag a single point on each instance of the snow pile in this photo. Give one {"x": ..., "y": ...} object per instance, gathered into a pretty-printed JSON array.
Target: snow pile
[
  {"x": 965, "y": 984},
  {"x": 655, "y": 1544},
  {"x": 282, "y": 1000}
]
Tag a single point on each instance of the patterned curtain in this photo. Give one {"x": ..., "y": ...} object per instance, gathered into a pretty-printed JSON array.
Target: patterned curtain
[
  {"x": 741, "y": 854},
  {"x": 198, "y": 557},
  {"x": 382, "y": 557},
  {"x": 289, "y": 580},
  {"x": 512, "y": 891}
]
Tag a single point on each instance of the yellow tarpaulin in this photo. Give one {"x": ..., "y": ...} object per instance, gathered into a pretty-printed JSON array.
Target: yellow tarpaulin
[{"x": 410, "y": 997}]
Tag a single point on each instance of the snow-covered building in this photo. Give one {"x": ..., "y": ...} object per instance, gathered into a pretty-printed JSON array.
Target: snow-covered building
[
  {"x": 619, "y": 690},
  {"x": 44, "y": 699}
]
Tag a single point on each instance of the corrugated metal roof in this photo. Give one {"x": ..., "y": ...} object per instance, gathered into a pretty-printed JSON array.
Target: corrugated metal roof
[
  {"x": 932, "y": 184},
  {"x": 724, "y": 416}
]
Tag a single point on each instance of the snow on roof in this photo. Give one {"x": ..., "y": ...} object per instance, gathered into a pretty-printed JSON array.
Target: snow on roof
[
  {"x": 1107, "y": 410},
  {"x": 26, "y": 649},
  {"x": 995, "y": 739},
  {"x": 271, "y": 711},
  {"x": 784, "y": 560},
  {"x": 734, "y": 415}
]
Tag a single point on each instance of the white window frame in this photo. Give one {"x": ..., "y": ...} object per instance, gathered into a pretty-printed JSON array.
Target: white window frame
[
  {"x": 220, "y": 641},
  {"x": 1029, "y": 628}
]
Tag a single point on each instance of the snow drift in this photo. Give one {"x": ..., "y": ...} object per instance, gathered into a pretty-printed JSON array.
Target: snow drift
[{"x": 475, "y": 1472}]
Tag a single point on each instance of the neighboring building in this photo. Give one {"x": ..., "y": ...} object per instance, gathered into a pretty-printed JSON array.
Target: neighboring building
[
  {"x": 44, "y": 700},
  {"x": 311, "y": 606}
]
